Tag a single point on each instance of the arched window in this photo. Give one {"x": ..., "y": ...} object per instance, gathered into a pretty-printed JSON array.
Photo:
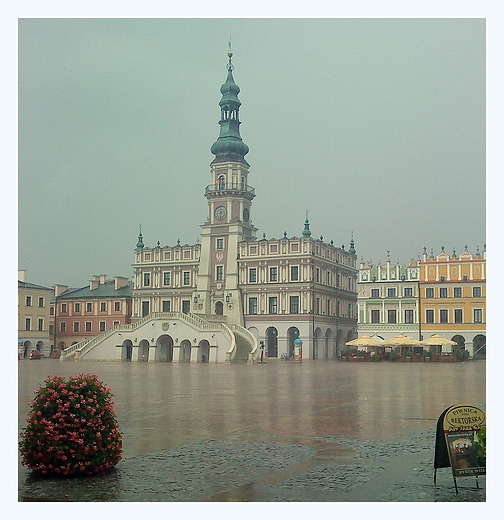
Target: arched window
[{"x": 221, "y": 182}]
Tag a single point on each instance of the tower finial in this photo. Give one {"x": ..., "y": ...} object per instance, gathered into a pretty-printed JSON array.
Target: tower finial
[{"x": 230, "y": 55}]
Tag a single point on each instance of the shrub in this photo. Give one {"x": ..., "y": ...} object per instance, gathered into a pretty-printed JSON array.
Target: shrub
[{"x": 71, "y": 429}]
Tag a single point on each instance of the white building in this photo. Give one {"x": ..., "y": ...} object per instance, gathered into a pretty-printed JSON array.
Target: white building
[{"x": 221, "y": 299}]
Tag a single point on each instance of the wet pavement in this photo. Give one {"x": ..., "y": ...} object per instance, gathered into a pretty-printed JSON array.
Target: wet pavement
[{"x": 320, "y": 431}]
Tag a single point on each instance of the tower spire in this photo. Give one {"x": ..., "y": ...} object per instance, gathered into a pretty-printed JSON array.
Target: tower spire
[
  {"x": 229, "y": 145},
  {"x": 306, "y": 230}
]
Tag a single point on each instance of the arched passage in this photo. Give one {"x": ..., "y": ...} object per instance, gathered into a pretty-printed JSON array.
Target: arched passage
[
  {"x": 327, "y": 347},
  {"x": 479, "y": 346},
  {"x": 127, "y": 350},
  {"x": 185, "y": 351},
  {"x": 203, "y": 351},
  {"x": 272, "y": 342},
  {"x": 292, "y": 334},
  {"x": 26, "y": 348},
  {"x": 460, "y": 342},
  {"x": 143, "y": 350},
  {"x": 317, "y": 336},
  {"x": 164, "y": 346}
]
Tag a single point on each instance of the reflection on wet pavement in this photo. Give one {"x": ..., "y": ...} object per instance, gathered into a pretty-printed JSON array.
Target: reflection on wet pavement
[{"x": 278, "y": 431}]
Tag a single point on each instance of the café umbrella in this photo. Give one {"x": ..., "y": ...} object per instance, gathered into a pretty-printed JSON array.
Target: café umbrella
[
  {"x": 436, "y": 340},
  {"x": 402, "y": 341},
  {"x": 364, "y": 341}
]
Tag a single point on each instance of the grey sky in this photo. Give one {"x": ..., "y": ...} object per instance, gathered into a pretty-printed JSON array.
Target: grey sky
[{"x": 375, "y": 126}]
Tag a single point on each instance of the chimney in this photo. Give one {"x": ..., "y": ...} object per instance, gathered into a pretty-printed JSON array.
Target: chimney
[
  {"x": 94, "y": 282},
  {"x": 119, "y": 282},
  {"x": 103, "y": 279},
  {"x": 22, "y": 275},
  {"x": 59, "y": 289}
]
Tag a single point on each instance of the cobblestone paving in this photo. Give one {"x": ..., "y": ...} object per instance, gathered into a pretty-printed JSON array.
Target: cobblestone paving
[{"x": 214, "y": 470}]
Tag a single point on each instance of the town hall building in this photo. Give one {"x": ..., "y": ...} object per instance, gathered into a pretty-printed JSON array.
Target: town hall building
[{"x": 233, "y": 296}]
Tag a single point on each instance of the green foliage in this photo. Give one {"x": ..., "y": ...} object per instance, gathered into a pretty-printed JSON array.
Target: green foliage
[
  {"x": 461, "y": 355},
  {"x": 72, "y": 428},
  {"x": 480, "y": 442}
]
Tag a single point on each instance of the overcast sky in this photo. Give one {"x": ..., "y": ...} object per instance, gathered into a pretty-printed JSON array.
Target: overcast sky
[{"x": 375, "y": 126}]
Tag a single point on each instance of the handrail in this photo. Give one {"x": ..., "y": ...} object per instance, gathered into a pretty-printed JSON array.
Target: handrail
[
  {"x": 231, "y": 353},
  {"x": 224, "y": 186},
  {"x": 249, "y": 336},
  {"x": 85, "y": 346}
]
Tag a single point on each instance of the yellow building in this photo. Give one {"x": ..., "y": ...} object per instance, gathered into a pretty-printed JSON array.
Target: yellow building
[
  {"x": 453, "y": 299},
  {"x": 33, "y": 317}
]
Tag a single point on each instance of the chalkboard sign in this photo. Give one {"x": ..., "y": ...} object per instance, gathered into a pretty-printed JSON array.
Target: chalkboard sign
[{"x": 457, "y": 441}]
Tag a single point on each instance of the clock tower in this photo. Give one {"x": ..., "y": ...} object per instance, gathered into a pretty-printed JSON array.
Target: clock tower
[{"x": 229, "y": 213}]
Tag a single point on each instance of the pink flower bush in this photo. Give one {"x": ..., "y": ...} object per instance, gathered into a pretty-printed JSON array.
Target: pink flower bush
[{"x": 72, "y": 428}]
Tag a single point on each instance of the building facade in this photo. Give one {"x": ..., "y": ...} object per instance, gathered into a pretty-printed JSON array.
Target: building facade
[
  {"x": 231, "y": 292},
  {"x": 453, "y": 298},
  {"x": 388, "y": 299},
  {"x": 78, "y": 314},
  {"x": 33, "y": 317}
]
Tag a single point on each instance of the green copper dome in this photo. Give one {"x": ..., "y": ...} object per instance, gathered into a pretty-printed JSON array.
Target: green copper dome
[{"x": 229, "y": 145}]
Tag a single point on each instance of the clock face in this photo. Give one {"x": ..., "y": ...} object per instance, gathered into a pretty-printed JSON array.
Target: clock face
[
  {"x": 246, "y": 215},
  {"x": 220, "y": 213}
]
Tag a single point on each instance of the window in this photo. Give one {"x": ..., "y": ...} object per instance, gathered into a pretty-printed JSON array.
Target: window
[
  {"x": 28, "y": 301},
  {"x": 443, "y": 316},
  {"x": 429, "y": 292},
  {"x": 63, "y": 327},
  {"x": 273, "y": 305},
  {"x": 117, "y": 306},
  {"x": 103, "y": 306},
  {"x": 478, "y": 315},
  {"x": 51, "y": 310},
  {"x": 76, "y": 326},
  {"x": 375, "y": 293},
  {"x": 317, "y": 306},
  {"x": 408, "y": 291},
  {"x": 220, "y": 243},
  {"x": 253, "y": 305},
  {"x": 443, "y": 292},
  {"x": 146, "y": 279},
  {"x": 465, "y": 278},
  {"x": 89, "y": 307},
  {"x": 88, "y": 326},
  {"x": 166, "y": 306},
  {"x": 328, "y": 307},
  {"x": 273, "y": 274},
  {"x": 458, "y": 316},
  {"x": 76, "y": 307},
  {"x": 186, "y": 306},
  {"x": 41, "y": 324},
  {"x": 457, "y": 292},
  {"x": 187, "y": 277},
  {"x": 64, "y": 308},
  {"x": 294, "y": 305},
  {"x": 28, "y": 324},
  {"x": 429, "y": 316},
  {"x": 41, "y": 302},
  {"x": 408, "y": 316},
  {"x": 391, "y": 292},
  {"x": 294, "y": 270},
  {"x": 252, "y": 275},
  {"x": 476, "y": 292},
  {"x": 219, "y": 274},
  {"x": 375, "y": 316},
  {"x": 167, "y": 278},
  {"x": 328, "y": 277},
  {"x": 145, "y": 308},
  {"x": 102, "y": 326},
  {"x": 317, "y": 275},
  {"x": 392, "y": 315}
]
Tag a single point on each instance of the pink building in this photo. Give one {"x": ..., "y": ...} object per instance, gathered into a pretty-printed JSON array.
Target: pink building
[{"x": 89, "y": 311}]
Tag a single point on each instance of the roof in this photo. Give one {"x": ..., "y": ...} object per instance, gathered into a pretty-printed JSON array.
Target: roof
[
  {"x": 28, "y": 285},
  {"x": 106, "y": 290}
]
